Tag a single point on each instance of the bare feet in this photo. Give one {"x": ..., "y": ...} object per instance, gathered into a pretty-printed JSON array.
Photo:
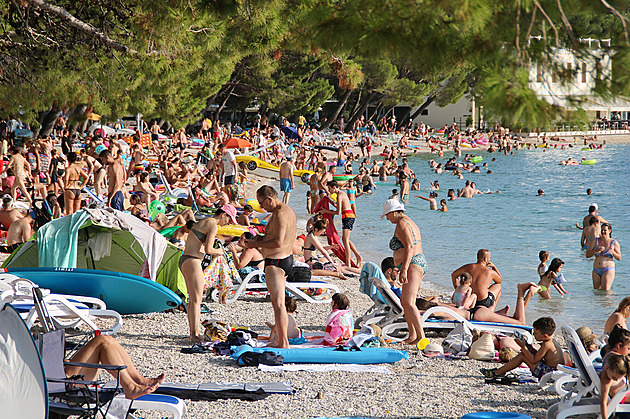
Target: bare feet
[
  {"x": 504, "y": 310},
  {"x": 139, "y": 391},
  {"x": 275, "y": 344},
  {"x": 411, "y": 341},
  {"x": 524, "y": 287},
  {"x": 195, "y": 339}
]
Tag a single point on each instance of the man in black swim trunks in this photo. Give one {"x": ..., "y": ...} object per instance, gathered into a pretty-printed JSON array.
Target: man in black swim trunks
[
  {"x": 277, "y": 248},
  {"x": 486, "y": 283}
]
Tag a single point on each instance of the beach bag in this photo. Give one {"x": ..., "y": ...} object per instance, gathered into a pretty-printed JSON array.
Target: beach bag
[
  {"x": 483, "y": 348},
  {"x": 219, "y": 272},
  {"x": 339, "y": 328},
  {"x": 300, "y": 274},
  {"x": 458, "y": 340},
  {"x": 253, "y": 359}
]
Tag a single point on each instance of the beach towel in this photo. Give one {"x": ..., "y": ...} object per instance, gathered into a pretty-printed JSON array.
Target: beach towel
[
  {"x": 58, "y": 241},
  {"x": 378, "y": 369},
  {"x": 339, "y": 327},
  {"x": 366, "y": 286}
]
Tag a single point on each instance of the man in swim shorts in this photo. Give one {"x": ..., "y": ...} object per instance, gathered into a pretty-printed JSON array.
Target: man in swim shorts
[
  {"x": 486, "y": 283},
  {"x": 115, "y": 180},
  {"x": 276, "y": 247},
  {"x": 286, "y": 179}
]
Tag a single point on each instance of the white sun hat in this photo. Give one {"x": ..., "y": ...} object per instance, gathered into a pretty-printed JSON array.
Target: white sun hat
[{"x": 392, "y": 205}]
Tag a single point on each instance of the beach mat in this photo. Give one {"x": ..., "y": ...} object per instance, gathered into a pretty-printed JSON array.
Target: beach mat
[{"x": 219, "y": 391}]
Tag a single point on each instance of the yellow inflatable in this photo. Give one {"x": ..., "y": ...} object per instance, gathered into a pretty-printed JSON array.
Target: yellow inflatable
[
  {"x": 232, "y": 230},
  {"x": 252, "y": 203}
]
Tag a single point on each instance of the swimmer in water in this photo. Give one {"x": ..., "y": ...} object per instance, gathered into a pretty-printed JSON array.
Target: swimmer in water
[{"x": 540, "y": 192}]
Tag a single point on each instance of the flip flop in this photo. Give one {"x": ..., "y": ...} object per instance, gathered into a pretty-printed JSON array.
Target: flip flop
[
  {"x": 196, "y": 349},
  {"x": 507, "y": 380}
]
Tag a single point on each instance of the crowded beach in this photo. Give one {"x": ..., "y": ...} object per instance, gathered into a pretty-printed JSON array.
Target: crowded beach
[{"x": 224, "y": 199}]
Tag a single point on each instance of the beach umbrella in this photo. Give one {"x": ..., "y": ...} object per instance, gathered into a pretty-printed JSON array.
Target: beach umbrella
[
  {"x": 290, "y": 132},
  {"x": 238, "y": 143}
]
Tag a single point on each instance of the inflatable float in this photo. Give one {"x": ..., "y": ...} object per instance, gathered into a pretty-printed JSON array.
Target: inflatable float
[
  {"x": 343, "y": 177},
  {"x": 589, "y": 162},
  {"x": 476, "y": 159},
  {"x": 330, "y": 355}
]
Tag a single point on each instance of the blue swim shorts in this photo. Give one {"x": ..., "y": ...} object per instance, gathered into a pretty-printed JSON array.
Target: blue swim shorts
[{"x": 285, "y": 185}]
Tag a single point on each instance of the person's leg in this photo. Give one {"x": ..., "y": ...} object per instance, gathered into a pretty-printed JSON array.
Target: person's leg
[
  {"x": 345, "y": 238},
  {"x": 470, "y": 301},
  {"x": 22, "y": 186},
  {"x": 354, "y": 250},
  {"x": 597, "y": 280},
  {"x": 106, "y": 350},
  {"x": 511, "y": 364},
  {"x": 275, "y": 278},
  {"x": 496, "y": 290},
  {"x": 193, "y": 275},
  {"x": 68, "y": 197},
  {"x": 99, "y": 176},
  {"x": 607, "y": 279},
  {"x": 408, "y": 302}
]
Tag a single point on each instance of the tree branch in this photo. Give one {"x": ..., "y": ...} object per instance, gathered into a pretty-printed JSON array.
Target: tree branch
[
  {"x": 566, "y": 23},
  {"x": 86, "y": 28},
  {"x": 555, "y": 30},
  {"x": 623, "y": 19}
]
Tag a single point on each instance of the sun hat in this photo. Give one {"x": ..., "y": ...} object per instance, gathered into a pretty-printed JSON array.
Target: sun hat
[
  {"x": 433, "y": 349},
  {"x": 392, "y": 205},
  {"x": 231, "y": 211},
  {"x": 583, "y": 332}
]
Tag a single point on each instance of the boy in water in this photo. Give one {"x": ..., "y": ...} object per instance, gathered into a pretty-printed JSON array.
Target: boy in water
[
  {"x": 543, "y": 255},
  {"x": 540, "y": 362}
]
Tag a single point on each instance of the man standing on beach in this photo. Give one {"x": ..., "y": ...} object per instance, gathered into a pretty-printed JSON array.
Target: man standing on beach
[
  {"x": 326, "y": 177},
  {"x": 276, "y": 247},
  {"x": 286, "y": 179},
  {"x": 115, "y": 180},
  {"x": 486, "y": 279},
  {"x": 230, "y": 169}
]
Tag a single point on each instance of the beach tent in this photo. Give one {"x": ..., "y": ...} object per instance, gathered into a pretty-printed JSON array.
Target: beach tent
[{"x": 103, "y": 239}]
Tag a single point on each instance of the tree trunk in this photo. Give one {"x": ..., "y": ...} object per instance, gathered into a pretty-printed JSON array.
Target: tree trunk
[
  {"x": 422, "y": 107},
  {"x": 76, "y": 116},
  {"x": 47, "y": 122},
  {"x": 340, "y": 107},
  {"x": 227, "y": 97},
  {"x": 376, "y": 112},
  {"x": 356, "y": 104},
  {"x": 359, "y": 112}
]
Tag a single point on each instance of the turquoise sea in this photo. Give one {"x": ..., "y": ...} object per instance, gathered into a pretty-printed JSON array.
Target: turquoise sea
[{"x": 514, "y": 225}]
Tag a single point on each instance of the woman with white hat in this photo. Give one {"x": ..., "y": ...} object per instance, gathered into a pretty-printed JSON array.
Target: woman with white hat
[{"x": 410, "y": 263}]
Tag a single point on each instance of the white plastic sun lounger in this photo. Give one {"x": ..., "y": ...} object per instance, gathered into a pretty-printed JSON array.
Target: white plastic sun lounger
[{"x": 295, "y": 288}]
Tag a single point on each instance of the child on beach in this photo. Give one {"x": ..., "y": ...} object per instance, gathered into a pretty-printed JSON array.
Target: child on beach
[
  {"x": 309, "y": 201},
  {"x": 552, "y": 277},
  {"x": 614, "y": 371},
  {"x": 540, "y": 361},
  {"x": 294, "y": 333},
  {"x": 443, "y": 207},
  {"x": 543, "y": 255},
  {"x": 463, "y": 297},
  {"x": 339, "y": 323},
  {"x": 394, "y": 194}
]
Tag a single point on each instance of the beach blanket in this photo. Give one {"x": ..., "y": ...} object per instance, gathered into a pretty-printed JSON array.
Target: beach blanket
[
  {"x": 378, "y": 369},
  {"x": 58, "y": 241}
]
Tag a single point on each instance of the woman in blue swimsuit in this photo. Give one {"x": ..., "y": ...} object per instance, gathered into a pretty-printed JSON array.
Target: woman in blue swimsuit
[
  {"x": 606, "y": 250},
  {"x": 407, "y": 247}
]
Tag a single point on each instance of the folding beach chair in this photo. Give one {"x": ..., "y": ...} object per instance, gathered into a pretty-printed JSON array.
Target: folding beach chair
[
  {"x": 384, "y": 307},
  {"x": 24, "y": 391}
]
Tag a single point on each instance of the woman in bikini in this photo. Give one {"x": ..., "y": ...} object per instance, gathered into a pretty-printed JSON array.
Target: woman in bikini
[
  {"x": 74, "y": 180},
  {"x": 199, "y": 244},
  {"x": 326, "y": 267},
  {"x": 606, "y": 250},
  {"x": 410, "y": 262},
  {"x": 145, "y": 189}
]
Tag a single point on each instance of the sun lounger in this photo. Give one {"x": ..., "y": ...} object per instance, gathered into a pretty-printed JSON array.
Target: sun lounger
[
  {"x": 384, "y": 309},
  {"x": 394, "y": 327},
  {"x": 564, "y": 379},
  {"x": 295, "y": 288},
  {"x": 585, "y": 395},
  {"x": 64, "y": 311}
]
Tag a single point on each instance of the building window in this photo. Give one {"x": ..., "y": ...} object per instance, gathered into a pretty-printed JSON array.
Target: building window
[
  {"x": 554, "y": 76},
  {"x": 583, "y": 72},
  {"x": 539, "y": 77},
  {"x": 424, "y": 112},
  {"x": 569, "y": 73}
]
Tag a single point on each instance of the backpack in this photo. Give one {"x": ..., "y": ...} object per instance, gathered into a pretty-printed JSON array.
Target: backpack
[
  {"x": 300, "y": 274},
  {"x": 253, "y": 359},
  {"x": 458, "y": 340}
]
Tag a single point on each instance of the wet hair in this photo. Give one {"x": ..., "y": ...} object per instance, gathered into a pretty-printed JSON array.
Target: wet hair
[
  {"x": 556, "y": 263},
  {"x": 135, "y": 197},
  {"x": 543, "y": 254},
  {"x": 592, "y": 208},
  {"x": 442, "y": 201},
  {"x": 623, "y": 305},
  {"x": 451, "y": 191},
  {"x": 247, "y": 235},
  {"x": 341, "y": 301},
  {"x": 465, "y": 277},
  {"x": 387, "y": 264},
  {"x": 593, "y": 220},
  {"x": 247, "y": 207},
  {"x": 395, "y": 191},
  {"x": 290, "y": 304},
  {"x": 545, "y": 325},
  {"x": 617, "y": 336},
  {"x": 333, "y": 184},
  {"x": 320, "y": 225},
  {"x": 72, "y": 157},
  {"x": 266, "y": 191},
  {"x": 619, "y": 364},
  {"x": 191, "y": 223}
]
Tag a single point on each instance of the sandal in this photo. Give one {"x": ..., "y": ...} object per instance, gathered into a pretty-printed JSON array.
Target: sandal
[
  {"x": 507, "y": 380},
  {"x": 488, "y": 372},
  {"x": 196, "y": 349}
]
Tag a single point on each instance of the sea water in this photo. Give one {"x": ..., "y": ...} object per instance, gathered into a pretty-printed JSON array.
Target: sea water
[{"x": 514, "y": 224}]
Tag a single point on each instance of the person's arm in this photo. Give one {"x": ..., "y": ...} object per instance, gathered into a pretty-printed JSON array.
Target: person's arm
[
  {"x": 579, "y": 226},
  {"x": 496, "y": 277},
  {"x": 604, "y": 391},
  {"x": 615, "y": 250},
  {"x": 242, "y": 260},
  {"x": 422, "y": 197},
  {"x": 593, "y": 248},
  {"x": 267, "y": 242},
  {"x": 209, "y": 244},
  {"x": 321, "y": 249}
]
